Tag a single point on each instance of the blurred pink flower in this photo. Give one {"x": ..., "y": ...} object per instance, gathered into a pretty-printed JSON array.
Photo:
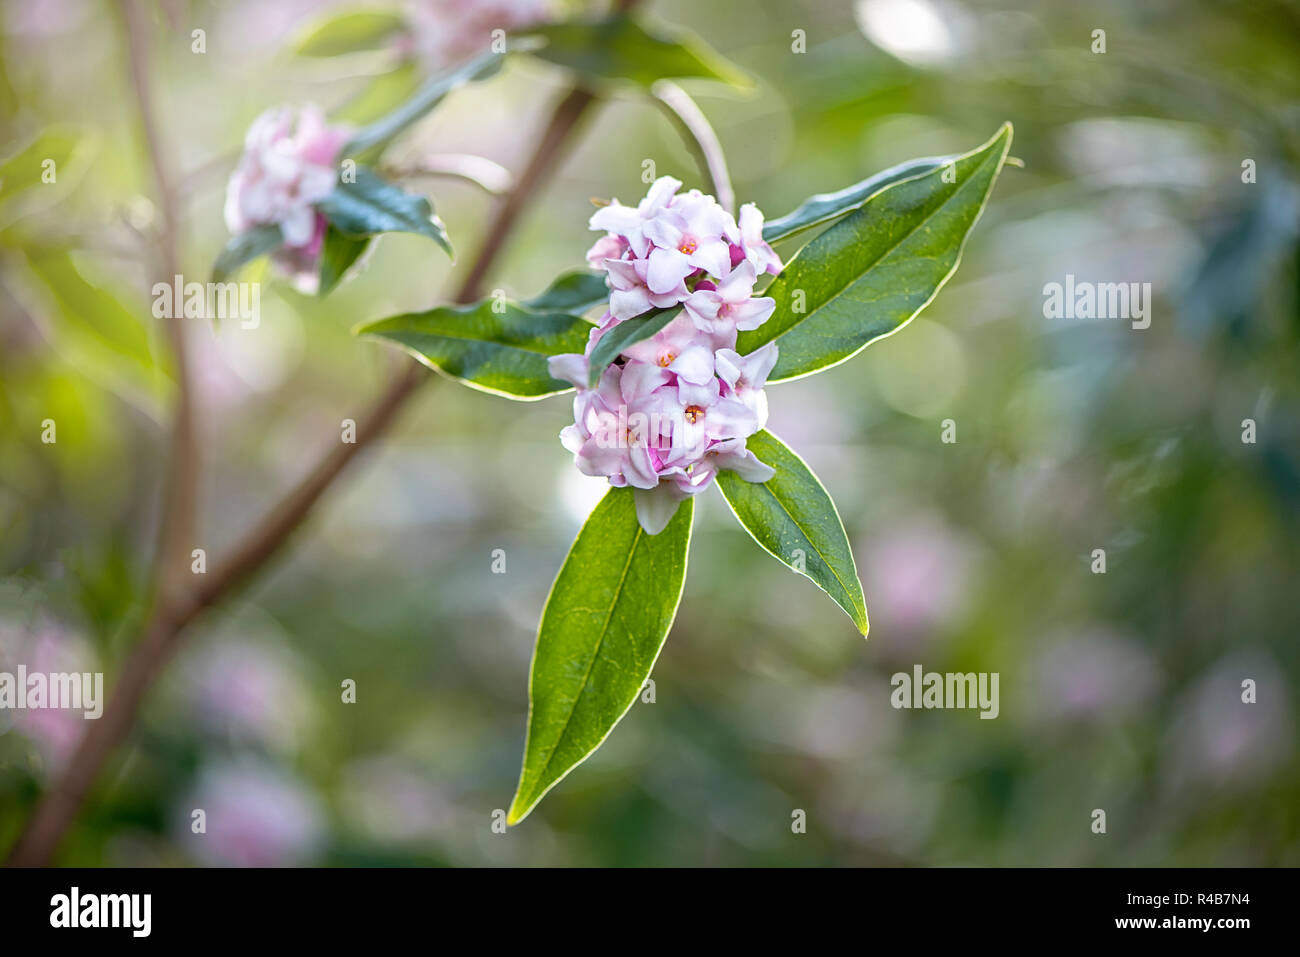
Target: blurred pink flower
[
  {"x": 1216, "y": 738},
  {"x": 289, "y": 163},
  {"x": 1093, "y": 674},
  {"x": 247, "y": 691},
  {"x": 255, "y": 815},
  {"x": 47, "y": 648},
  {"x": 917, "y": 577},
  {"x": 445, "y": 32}
]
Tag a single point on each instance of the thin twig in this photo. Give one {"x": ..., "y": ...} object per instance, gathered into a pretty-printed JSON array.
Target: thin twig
[
  {"x": 700, "y": 138},
  {"x": 58, "y": 807},
  {"x": 487, "y": 175}
]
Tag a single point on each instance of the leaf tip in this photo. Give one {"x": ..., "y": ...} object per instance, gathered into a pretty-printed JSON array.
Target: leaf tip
[{"x": 518, "y": 810}]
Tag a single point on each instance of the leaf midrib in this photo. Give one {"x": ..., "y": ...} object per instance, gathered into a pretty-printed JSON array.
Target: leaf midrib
[
  {"x": 820, "y": 554},
  {"x": 486, "y": 342},
  {"x": 604, "y": 630},
  {"x": 885, "y": 254}
]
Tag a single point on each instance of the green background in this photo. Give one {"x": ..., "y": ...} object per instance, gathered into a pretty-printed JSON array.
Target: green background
[{"x": 1118, "y": 691}]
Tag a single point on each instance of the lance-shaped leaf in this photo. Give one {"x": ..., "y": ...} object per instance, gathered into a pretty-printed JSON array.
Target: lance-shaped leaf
[
  {"x": 95, "y": 331},
  {"x": 792, "y": 516},
  {"x": 426, "y": 98},
  {"x": 351, "y": 31},
  {"x": 370, "y": 204},
  {"x": 574, "y": 292},
  {"x": 622, "y": 48},
  {"x": 494, "y": 345},
  {"x": 60, "y": 152},
  {"x": 338, "y": 254},
  {"x": 379, "y": 96},
  {"x": 823, "y": 207},
  {"x": 870, "y": 273},
  {"x": 626, "y": 333},
  {"x": 604, "y": 623},
  {"x": 244, "y": 248}
]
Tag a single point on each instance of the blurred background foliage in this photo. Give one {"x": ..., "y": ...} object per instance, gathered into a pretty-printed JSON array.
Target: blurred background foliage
[{"x": 1119, "y": 691}]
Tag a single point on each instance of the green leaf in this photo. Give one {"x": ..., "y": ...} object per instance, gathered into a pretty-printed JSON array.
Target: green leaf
[
  {"x": 98, "y": 333},
  {"x": 493, "y": 345},
  {"x": 573, "y": 292},
  {"x": 339, "y": 253},
  {"x": 351, "y": 31},
  {"x": 244, "y": 248},
  {"x": 870, "y": 273},
  {"x": 425, "y": 99},
  {"x": 626, "y": 333},
  {"x": 64, "y": 151},
  {"x": 379, "y": 96},
  {"x": 792, "y": 516},
  {"x": 371, "y": 204},
  {"x": 621, "y": 48},
  {"x": 823, "y": 207},
  {"x": 605, "y": 621}
]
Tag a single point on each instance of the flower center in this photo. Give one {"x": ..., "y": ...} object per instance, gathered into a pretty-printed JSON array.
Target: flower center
[
  {"x": 688, "y": 246},
  {"x": 693, "y": 413},
  {"x": 666, "y": 359}
]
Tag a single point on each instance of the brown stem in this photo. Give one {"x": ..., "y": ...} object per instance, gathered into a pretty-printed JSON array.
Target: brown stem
[
  {"x": 176, "y": 528},
  {"x": 58, "y": 807}
]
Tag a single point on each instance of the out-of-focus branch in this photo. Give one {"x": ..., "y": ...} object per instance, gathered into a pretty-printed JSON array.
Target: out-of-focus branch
[
  {"x": 180, "y": 490},
  {"x": 59, "y": 806},
  {"x": 487, "y": 175},
  {"x": 700, "y": 138}
]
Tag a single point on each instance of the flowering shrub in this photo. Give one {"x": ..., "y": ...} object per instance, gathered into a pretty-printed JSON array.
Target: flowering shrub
[
  {"x": 670, "y": 379},
  {"x": 669, "y": 343},
  {"x": 670, "y": 384}
]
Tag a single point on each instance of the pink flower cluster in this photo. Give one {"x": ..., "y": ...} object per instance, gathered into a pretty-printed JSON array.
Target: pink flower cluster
[
  {"x": 290, "y": 162},
  {"x": 677, "y": 407}
]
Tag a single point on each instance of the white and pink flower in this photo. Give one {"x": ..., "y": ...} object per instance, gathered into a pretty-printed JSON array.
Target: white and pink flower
[
  {"x": 290, "y": 163},
  {"x": 671, "y": 247},
  {"x": 677, "y": 407}
]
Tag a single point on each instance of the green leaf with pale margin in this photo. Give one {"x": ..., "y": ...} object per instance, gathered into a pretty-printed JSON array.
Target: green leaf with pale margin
[
  {"x": 501, "y": 352},
  {"x": 823, "y": 207},
  {"x": 573, "y": 292},
  {"x": 428, "y": 96},
  {"x": 792, "y": 511},
  {"x": 622, "y": 48},
  {"x": 352, "y": 31},
  {"x": 626, "y": 333},
  {"x": 372, "y": 205},
  {"x": 868, "y": 274},
  {"x": 337, "y": 256},
  {"x": 244, "y": 248},
  {"x": 604, "y": 624}
]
